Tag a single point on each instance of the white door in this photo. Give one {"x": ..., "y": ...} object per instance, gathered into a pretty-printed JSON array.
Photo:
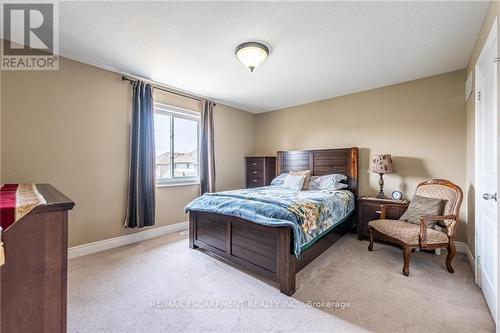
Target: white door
[{"x": 487, "y": 171}]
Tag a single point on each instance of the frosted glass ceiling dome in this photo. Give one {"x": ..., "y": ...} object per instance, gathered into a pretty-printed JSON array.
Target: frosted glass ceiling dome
[{"x": 251, "y": 54}]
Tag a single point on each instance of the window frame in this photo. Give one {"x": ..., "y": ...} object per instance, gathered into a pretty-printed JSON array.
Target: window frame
[{"x": 177, "y": 112}]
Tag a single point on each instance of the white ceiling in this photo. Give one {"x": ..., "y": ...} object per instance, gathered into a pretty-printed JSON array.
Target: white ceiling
[{"x": 318, "y": 50}]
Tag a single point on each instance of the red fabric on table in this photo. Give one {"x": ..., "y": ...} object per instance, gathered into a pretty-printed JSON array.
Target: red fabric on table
[{"x": 8, "y": 205}]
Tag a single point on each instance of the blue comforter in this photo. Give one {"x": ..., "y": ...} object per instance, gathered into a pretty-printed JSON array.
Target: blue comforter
[{"x": 310, "y": 214}]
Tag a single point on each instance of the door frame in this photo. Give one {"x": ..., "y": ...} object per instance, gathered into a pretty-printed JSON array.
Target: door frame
[{"x": 492, "y": 37}]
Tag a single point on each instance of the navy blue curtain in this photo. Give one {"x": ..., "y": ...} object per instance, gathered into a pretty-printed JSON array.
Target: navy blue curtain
[
  {"x": 141, "y": 192},
  {"x": 207, "y": 151}
]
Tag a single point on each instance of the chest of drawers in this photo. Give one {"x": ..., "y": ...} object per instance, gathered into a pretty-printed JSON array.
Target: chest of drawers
[{"x": 260, "y": 170}]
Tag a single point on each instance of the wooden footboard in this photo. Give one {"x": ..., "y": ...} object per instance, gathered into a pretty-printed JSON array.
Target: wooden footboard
[{"x": 267, "y": 251}]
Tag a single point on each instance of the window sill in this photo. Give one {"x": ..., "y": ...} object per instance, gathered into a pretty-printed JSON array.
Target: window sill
[{"x": 175, "y": 184}]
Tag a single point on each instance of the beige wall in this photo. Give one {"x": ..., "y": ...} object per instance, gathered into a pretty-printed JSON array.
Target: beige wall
[
  {"x": 70, "y": 128},
  {"x": 421, "y": 123},
  {"x": 234, "y": 139},
  {"x": 492, "y": 13}
]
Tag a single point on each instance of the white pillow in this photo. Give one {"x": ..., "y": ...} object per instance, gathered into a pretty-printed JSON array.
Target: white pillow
[{"x": 293, "y": 182}]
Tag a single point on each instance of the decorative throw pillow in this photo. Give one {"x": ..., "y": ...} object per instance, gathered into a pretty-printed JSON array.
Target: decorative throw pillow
[
  {"x": 293, "y": 182},
  {"x": 279, "y": 180},
  {"x": 337, "y": 186},
  {"x": 306, "y": 174},
  {"x": 421, "y": 206},
  {"x": 327, "y": 182}
]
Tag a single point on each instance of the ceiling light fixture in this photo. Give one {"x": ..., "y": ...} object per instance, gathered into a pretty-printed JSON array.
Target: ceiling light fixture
[{"x": 251, "y": 54}]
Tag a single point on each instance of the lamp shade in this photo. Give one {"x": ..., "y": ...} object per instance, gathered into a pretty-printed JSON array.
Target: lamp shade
[{"x": 382, "y": 164}]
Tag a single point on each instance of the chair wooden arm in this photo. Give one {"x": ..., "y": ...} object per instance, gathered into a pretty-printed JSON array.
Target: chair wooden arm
[
  {"x": 422, "y": 237},
  {"x": 384, "y": 207}
]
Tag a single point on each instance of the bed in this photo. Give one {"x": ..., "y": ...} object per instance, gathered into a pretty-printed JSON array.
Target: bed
[{"x": 251, "y": 228}]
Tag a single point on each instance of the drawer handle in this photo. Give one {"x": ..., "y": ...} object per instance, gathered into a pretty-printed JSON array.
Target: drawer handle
[
  {"x": 255, "y": 172},
  {"x": 378, "y": 212},
  {"x": 255, "y": 164},
  {"x": 255, "y": 180}
]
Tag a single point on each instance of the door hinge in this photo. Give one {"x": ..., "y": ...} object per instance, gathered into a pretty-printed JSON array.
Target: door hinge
[
  {"x": 497, "y": 59},
  {"x": 479, "y": 96},
  {"x": 479, "y": 260}
]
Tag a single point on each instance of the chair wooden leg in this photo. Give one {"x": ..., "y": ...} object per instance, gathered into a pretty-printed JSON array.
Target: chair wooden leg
[
  {"x": 370, "y": 235},
  {"x": 451, "y": 254},
  {"x": 406, "y": 260}
]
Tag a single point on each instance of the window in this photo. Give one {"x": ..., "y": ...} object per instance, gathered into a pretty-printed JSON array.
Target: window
[{"x": 176, "y": 141}]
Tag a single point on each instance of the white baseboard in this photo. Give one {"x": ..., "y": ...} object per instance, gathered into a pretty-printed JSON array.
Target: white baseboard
[
  {"x": 464, "y": 248},
  {"x": 82, "y": 250}
]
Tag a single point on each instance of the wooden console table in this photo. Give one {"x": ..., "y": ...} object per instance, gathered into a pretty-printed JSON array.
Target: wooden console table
[{"x": 34, "y": 276}]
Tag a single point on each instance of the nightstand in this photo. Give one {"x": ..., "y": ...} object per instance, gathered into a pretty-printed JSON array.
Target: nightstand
[{"x": 369, "y": 209}]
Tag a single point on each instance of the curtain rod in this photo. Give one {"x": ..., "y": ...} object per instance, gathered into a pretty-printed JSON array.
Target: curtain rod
[{"x": 171, "y": 91}]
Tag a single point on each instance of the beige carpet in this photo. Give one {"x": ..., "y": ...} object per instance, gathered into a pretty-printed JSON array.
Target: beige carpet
[{"x": 161, "y": 285}]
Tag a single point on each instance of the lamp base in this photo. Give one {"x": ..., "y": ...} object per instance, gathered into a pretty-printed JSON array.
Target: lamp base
[{"x": 381, "y": 194}]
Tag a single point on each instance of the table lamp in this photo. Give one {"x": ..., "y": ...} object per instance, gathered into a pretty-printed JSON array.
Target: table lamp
[{"x": 382, "y": 164}]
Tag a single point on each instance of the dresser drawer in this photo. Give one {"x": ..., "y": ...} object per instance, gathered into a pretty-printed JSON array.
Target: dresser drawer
[
  {"x": 255, "y": 181},
  {"x": 255, "y": 164},
  {"x": 254, "y": 173}
]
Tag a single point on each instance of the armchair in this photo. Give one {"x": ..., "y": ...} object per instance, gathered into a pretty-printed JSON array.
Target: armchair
[{"x": 411, "y": 236}]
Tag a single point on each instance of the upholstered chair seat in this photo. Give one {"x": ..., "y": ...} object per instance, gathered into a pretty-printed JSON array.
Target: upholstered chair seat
[
  {"x": 429, "y": 222},
  {"x": 407, "y": 232}
]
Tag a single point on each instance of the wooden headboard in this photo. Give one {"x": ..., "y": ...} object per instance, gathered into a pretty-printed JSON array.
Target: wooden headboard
[{"x": 322, "y": 162}]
